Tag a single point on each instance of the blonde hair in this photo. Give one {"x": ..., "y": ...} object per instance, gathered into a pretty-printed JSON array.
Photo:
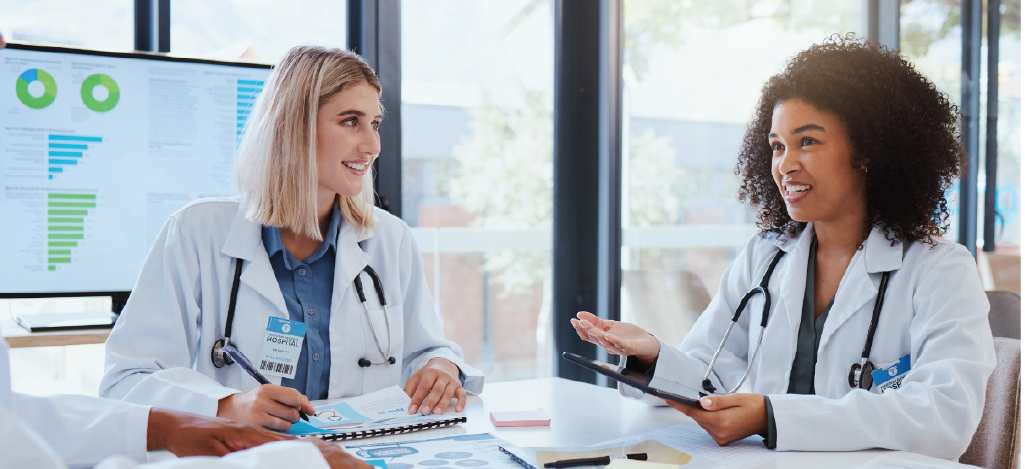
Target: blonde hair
[{"x": 276, "y": 168}]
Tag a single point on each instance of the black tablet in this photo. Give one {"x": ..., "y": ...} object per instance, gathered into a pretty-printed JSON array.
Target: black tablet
[{"x": 630, "y": 378}]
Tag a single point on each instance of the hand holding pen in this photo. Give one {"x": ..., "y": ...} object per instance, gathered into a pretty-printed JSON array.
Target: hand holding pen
[{"x": 271, "y": 406}]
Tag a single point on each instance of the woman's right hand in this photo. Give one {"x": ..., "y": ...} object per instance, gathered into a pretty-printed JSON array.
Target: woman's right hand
[
  {"x": 617, "y": 338},
  {"x": 271, "y": 406}
]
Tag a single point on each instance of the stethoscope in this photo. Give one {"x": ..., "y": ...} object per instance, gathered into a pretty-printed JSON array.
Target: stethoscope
[
  {"x": 861, "y": 372},
  {"x": 221, "y": 358}
]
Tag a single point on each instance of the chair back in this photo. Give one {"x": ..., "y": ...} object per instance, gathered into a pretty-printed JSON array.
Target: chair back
[
  {"x": 1005, "y": 314},
  {"x": 665, "y": 302},
  {"x": 997, "y": 442}
]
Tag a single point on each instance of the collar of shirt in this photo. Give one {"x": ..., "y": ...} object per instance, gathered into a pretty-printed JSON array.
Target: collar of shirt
[{"x": 273, "y": 243}]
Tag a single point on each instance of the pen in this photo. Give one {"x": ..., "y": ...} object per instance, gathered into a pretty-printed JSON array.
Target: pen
[
  {"x": 244, "y": 362},
  {"x": 598, "y": 461}
]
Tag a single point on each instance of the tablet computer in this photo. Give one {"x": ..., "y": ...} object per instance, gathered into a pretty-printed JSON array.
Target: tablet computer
[
  {"x": 631, "y": 378},
  {"x": 45, "y": 322}
]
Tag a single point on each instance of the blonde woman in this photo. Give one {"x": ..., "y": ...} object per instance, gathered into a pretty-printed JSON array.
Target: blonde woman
[{"x": 331, "y": 300}]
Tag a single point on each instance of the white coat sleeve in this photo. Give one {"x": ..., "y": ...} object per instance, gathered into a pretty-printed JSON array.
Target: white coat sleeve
[
  {"x": 683, "y": 366},
  {"x": 55, "y": 431},
  {"x": 424, "y": 332},
  {"x": 150, "y": 352},
  {"x": 83, "y": 430},
  {"x": 938, "y": 407},
  {"x": 298, "y": 454}
]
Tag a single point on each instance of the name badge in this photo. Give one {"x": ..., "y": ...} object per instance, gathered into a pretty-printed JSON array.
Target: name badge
[
  {"x": 893, "y": 376},
  {"x": 282, "y": 344}
]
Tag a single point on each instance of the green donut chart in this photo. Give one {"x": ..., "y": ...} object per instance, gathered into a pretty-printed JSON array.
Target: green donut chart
[
  {"x": 113, "y": 92},
  {"x": 49, "y": 88}
]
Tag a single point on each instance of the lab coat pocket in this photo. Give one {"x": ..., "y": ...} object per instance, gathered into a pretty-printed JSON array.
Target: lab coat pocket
[{"x": 388, "y": 331}]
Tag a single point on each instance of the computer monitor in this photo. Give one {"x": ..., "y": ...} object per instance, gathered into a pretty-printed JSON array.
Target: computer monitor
[{"x": 97, "y": 149}]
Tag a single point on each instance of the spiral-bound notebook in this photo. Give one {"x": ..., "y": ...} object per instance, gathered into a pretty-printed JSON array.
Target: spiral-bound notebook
[
  {"x": 375, "y": 430},
  {"x": 383, "y": 412},
  {"x": 520, "y": 459}
]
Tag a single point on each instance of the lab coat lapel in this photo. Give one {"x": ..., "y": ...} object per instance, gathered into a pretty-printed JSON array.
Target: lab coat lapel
[
  {"x": 350, "y": 261},
  {"x": 245, "y": 241},
  {"x": 860, "y": 283},
  {"x": 792, "y": 277}
]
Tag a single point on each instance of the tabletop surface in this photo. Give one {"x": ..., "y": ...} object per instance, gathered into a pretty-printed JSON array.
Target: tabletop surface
[
  {"x": 18, "y": 336},
  {"x": 584, "y": 414}
]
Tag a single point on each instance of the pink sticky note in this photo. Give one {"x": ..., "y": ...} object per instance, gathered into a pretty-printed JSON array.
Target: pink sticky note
[{"x": 521, "y": 418}]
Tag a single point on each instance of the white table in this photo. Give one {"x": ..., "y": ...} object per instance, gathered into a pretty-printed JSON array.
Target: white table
[
  {"x": 584, "y": 414},
  {"x": 18, "y": 336}
]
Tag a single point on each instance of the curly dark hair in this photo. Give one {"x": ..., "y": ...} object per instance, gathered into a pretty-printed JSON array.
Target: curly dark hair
[{"x": 903, "y": 130}]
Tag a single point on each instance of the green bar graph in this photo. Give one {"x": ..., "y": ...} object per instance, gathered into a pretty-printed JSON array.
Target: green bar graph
[
  {"x": 72, "y": 196},
  {"x": 72, "y": 204},
  {"x": 65, "y": 225}
]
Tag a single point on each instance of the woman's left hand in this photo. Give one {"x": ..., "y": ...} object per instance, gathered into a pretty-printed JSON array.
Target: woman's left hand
[
  {"x": 729, "y": 418},
  {"x": 432, "y": 388}
]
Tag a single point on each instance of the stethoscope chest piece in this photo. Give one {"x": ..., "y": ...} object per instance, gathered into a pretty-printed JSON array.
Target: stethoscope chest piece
[
  {"x": 218, "y": 356},
  {"x": 861, "y": 375}
]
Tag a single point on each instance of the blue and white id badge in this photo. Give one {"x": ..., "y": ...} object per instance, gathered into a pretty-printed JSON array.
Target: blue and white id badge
[
  {"x": 891, "y": 377},
  {"x": 282, "y": 344}
]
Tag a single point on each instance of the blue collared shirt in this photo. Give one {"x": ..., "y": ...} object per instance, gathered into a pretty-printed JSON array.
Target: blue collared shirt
[{"x": 307, "y": 286}]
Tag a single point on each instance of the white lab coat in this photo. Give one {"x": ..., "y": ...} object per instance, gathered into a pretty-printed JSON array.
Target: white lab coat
[
  {"x": 159, "y": 350},
  {"x": 934, "y": 309},
  {"x": 55, "y": 432}
]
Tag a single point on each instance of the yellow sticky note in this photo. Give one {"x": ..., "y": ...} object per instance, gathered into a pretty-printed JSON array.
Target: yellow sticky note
[{"x": 635, "y": 464}]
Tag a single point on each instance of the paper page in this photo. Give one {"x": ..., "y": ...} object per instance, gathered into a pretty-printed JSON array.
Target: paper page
[
  {"x": 384, "y": 408},
  {"x": 705, "y": 451},
  {"x": 655, "y": 451},
  {"x": 461, "y": 451},
  {"x": 635, "y": 464},
  {"x": 887, "y": 462}
]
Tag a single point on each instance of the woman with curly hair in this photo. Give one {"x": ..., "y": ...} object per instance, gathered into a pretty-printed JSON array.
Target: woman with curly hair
[{"x": 845, "y": 163}]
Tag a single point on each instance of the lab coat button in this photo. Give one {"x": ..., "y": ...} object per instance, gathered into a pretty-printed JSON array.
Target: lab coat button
[{"x": 316, "y": 356}]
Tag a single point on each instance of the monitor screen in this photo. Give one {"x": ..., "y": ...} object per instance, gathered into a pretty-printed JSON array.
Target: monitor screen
[{"x": 98, "y": 148}]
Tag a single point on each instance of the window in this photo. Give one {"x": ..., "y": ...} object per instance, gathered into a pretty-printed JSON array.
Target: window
[
  {"x": 692, "y": 74},
  {"x": 261, "y": 31},
  {"x": 70, "y": 22},
  {"x": 477, "y": 173},
  {"x": 930, "y": 37}
]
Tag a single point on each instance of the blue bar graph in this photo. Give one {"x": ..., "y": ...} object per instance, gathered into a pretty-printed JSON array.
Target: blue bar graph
[
  {"x": 247, "y": 91},
  {"x": 58, "y": 156},
  {"x": 69, "y": 146},
  {"x": 78, "y": 138}
]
